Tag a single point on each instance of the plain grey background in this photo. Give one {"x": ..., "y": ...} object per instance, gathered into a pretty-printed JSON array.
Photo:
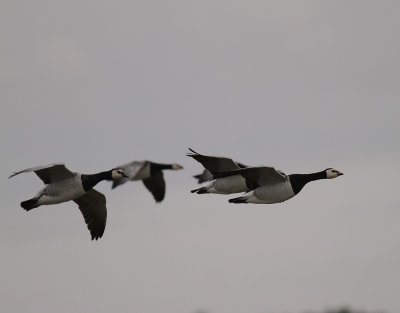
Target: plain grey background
[{"x": 300, "y": 85}]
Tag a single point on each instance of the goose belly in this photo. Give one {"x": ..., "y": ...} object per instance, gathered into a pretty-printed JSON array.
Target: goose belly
[
  {"x": 273, "y": 193},
  {"x": 61, "y": 192},
  {"x": 227, "y": 185}
]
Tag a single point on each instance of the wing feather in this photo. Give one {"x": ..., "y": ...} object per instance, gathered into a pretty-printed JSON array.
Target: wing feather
[
  {"x": 256, "y": 176},
  {"x": 214, "y": 163},
  {"x": 49, "y": 173},
  {"x": 156, "y": 185},
  {"x": 93, "y": 208}
]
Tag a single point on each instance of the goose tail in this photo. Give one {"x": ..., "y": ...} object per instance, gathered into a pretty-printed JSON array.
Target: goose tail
[
  {"x": 200, "y": 190},
  {"x": 30, "y": 204},
  {"x": 238, "y": 200}
]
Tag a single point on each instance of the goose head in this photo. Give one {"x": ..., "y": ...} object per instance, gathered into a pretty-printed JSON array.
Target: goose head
[
  {"x": 118, "y": 173},
  {"x": 332, "y": 173},
  {"x": 176, "y": 166}
]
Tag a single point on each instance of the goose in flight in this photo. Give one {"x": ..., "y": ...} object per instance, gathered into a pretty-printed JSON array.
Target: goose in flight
[
  {"x": 62, "y": 185},
  {"x": 268, "y": 185},
  {"x": 150, "y": 173}
]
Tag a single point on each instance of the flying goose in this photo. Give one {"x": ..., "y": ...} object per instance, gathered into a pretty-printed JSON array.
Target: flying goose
[
  {"x": 62, "y": 185},
  {"x": 224, "y": 185},
  {"x": 272, "y": 186},
  {"x": 150, "y": 173}
]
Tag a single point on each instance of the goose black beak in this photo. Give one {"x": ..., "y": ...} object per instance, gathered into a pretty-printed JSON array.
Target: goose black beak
[
  {"x": 124, "y": 175},
  {"x": 340, "y": 174}
]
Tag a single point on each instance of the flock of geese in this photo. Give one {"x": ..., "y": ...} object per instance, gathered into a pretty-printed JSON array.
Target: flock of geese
[{"x": 222, "y": 175}]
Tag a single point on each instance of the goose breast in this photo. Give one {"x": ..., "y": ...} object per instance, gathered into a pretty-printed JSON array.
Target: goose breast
[{"x": 274, "y": 193}]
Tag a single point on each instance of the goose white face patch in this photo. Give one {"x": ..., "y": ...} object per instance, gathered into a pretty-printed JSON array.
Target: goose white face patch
[
  {"x": 117, "y": 173},
  {"x": 332, "y": 173}
]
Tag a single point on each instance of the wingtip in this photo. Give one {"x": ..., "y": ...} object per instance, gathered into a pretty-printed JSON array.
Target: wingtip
[
  {"x": 192, "y": 152},
  {"x": 96, "y": 237}
]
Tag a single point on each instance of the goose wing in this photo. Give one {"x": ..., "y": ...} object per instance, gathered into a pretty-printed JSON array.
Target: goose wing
[
  {"x": 241, "y": 165},
  {"x": 93, "y": 207},
  {"x": 49, "y": 173},
  {"x": 256, "y": 176},
  {"x": 131, "y": 170},
  {"x": 156, "y": 185},
  {"x": 214, "y": 163},
  {"x": 204, "y": 176}
]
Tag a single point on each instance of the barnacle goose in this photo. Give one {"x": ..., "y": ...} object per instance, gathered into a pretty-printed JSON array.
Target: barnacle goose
[
  {"x": 272, "y": 186},
  {"x": 62, "y": 185},
  {"x": 150, "y": 173}
]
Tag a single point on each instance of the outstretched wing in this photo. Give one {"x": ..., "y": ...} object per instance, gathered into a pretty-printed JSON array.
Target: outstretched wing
[
  {"x": 214, "y": 163},
  {"x": 49, "y": 173},
  {"x": 93, "y": 207},
  {"x": 156, "y": 185},
  {"x": 256, "y": 176}
]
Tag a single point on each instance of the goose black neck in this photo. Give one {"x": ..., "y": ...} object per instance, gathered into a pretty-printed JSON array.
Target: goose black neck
[
  {"x": 156, "y": 167},
  {"x": 298, "y": 181},
  {"x": 91, "y": 180}
]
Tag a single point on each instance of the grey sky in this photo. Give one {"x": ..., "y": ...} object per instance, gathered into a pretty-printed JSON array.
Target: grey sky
[{"x": 300, "y": 85}]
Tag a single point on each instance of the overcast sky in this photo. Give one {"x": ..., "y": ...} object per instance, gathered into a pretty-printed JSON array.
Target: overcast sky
[{"x": 301, "y": 85}]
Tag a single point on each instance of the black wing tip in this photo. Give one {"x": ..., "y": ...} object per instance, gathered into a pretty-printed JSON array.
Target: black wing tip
[
  {"x": 193, "y": 153},
  {"x": 159, "y": 198},
  {"x": 96, "y": 236}
]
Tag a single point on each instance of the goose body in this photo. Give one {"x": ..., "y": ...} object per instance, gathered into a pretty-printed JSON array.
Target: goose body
[
  {"x": 224, "y": 185},
  {"x": 272, "y": 186},
  {"x": 268, "y": 194},
  {"x": 150, "y": 173},
  {"x": 61, "y": 191},
  {"x": 62, "y": 185}
]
